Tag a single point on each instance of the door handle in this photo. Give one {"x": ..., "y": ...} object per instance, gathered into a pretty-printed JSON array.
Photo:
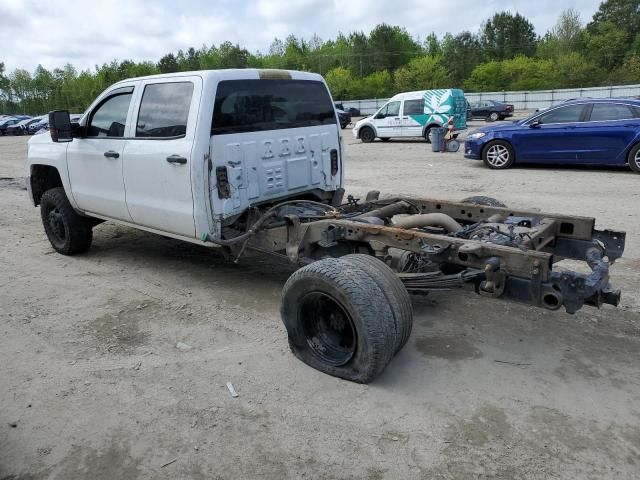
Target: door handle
[
  {"x": 111, "y": 154},
  {"x": 176, "y": 159}
]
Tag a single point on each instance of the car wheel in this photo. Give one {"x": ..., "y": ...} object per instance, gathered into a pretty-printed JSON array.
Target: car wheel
[
  {"x": 68, "y": 232},
  {"x": 339, "y": 320},
  {"x": 484, "y": 201},
  {"x": 498, "y": 155},
  {"x": 367, "y": 135},
  {"x": 634, "y": 158},
  {"x": 385, "y": 139},
  {"x": 427, "y": 134},
  {"x": 493, "y": 116}
]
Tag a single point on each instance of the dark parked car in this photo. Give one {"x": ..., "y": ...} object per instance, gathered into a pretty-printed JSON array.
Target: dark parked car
[
  {"x": 21, "y": 128},
  {"x": 6, "y": 123},
  {"x": 344, "y": 117},
  {"x": 354, "y": 112},
  {"x": 490, "y": 110},
  {"x": 586, "y": 131}
]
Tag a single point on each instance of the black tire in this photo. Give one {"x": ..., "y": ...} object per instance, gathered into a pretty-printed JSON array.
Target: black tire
[
  {"x": 68, "y": 232},
  {"x": 385, "y": 139},
  {"x": 482, "y": 200},
  {"x": 394, "y": 291},
  {"x": 634, "y": 158},
  {"x": 493, "y": 116},
  {"x": 338, "y": 320},
  {"x": 495, "y": 149},
  {"x": 427, "y": 134},
  {"x": 367, "y": 135}
]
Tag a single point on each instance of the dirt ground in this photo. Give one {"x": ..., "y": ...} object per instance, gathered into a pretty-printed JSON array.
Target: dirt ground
[{"x": 92, "y": 384}]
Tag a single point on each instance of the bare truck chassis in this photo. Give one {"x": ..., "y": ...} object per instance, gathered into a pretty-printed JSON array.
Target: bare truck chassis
[{"x": 347, "y": 312}]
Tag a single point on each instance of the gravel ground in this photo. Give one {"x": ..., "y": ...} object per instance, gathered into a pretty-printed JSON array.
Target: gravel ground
[{"x": 92, "y": 384}]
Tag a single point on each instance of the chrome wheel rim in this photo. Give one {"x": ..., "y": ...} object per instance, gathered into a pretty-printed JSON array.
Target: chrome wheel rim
[
  {"x": 497, "y": 155},
  {"x": 636, "y": 159}
]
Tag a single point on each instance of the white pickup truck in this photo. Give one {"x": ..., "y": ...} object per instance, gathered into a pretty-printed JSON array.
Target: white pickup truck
[{"x": 254, "y": 159}]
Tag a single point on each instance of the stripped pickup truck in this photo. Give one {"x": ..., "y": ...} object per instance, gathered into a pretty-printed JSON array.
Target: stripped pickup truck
[{"x": 253, "y": 159}]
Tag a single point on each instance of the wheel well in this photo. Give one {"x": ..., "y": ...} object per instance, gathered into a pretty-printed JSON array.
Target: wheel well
[
  {"x": 628, "y": 155},
  {"x": 43, "y": 178},
  {"x": 431, "y": 125},
  {"x": 486, "y": 145},
  {"x": 369, "y": 127}
]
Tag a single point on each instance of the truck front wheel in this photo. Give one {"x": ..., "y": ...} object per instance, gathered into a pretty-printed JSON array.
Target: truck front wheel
[
  {"x": 68, "y": 232},
  {"x": 338, "y": 320}
]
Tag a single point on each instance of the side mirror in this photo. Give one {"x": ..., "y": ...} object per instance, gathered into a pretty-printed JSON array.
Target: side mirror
[
  {"x": 60, "y": 126},
  {"x": 379, "y": 115},
  {"x": 536, "y": 123}
]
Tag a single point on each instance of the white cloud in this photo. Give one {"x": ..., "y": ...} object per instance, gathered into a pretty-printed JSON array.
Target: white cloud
[{"x": 89, "y": 33}]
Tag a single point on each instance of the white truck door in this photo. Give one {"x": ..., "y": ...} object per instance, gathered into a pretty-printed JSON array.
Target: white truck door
[
  {"x": 95, "y": 162},
  {"x": 157, "y": 158},
  {"x": 387, "y": 120}
]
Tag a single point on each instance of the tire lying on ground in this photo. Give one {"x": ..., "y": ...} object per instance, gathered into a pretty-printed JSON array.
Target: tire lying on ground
[
  {"x": 394, "y": 291},
  {"x": 482, "y": 200},
  {"x": 339, "y": 320}
]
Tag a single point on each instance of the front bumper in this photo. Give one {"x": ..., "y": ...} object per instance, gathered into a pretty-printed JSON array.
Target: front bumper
[{"x": 473, "y": 149}]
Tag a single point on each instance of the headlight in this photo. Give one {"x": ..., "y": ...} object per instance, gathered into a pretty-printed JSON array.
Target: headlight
[{"x": 476, "y": 135}]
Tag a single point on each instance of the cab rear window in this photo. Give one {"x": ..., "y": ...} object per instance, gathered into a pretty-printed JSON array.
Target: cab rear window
[{"x": 256, "y": 105}]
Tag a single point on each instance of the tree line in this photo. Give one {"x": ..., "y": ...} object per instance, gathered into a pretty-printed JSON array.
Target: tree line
[{"x": 505, "y": 54}]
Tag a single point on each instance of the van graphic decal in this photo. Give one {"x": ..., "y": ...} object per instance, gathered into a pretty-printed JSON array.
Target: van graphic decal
[{"x": 441, "y": 104}]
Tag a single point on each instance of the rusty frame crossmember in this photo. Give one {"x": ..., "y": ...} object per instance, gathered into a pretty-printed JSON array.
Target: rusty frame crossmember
[{"x": 497, "y": 271}]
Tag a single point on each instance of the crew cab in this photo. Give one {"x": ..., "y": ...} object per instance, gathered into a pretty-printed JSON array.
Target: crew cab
[{"x": 239, "y": 159}]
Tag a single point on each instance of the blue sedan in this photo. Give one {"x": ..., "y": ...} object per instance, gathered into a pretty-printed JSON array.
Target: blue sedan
[{"x": 584, "y": 131}]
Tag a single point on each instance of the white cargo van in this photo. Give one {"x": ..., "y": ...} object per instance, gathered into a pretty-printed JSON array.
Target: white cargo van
[{"x": 414, "y": 114}]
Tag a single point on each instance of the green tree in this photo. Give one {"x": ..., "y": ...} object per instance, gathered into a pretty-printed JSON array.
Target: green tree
[
  {"x": 421, "y": 73},
  {"x": 340, "y": 81},
  {"x": 460, "y": 55},
  {"x": 375, "y": 85},
  {"x": 390, "y": 47},
  {"x": 505, "y": 35},
  {"x": 168, "y": 64},
  {"x": 573, "y": 70},
  {"x": 624, "y": 14},
  {"x": 606, "y": 45},
  {"x": 565, "y": 37}
]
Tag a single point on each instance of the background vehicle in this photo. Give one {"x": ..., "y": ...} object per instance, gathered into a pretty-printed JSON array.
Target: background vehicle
[
  {"x": 22, "y": 127},
  {"x": 344, "y": 118},
  {"x": 490, "y": 110},
  {"x": 42, "y": 125},
  {"x": 8, "y": 122},
  {"x": 585, "y": 131},
  {"x": 414, "y": 114},
  {"x": 354, "y": 112},
  {"x": 253, "y": 159}
]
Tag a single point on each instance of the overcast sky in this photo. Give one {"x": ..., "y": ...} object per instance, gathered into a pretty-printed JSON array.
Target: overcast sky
[{"x": 90, "y": 32}]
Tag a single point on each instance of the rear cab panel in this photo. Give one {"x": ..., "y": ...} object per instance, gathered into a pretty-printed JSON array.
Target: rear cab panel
[{"x": 274, "y": 135}]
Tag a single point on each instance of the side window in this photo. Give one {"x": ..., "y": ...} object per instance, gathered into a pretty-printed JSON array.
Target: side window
[
  {"x": 610, "y": 111},
  {"x": 391, "y": 110},
  {"x": 414, "y": 107},
  {"x": 164, "y": 110},
  {"x": 109, "y": 119},
  {"x": 568, "y": 114}
]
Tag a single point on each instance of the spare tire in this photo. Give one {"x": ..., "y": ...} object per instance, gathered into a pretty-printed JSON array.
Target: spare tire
[
  {"x": 339, "y": 320},
  {"x": 486, "y": 201}
]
